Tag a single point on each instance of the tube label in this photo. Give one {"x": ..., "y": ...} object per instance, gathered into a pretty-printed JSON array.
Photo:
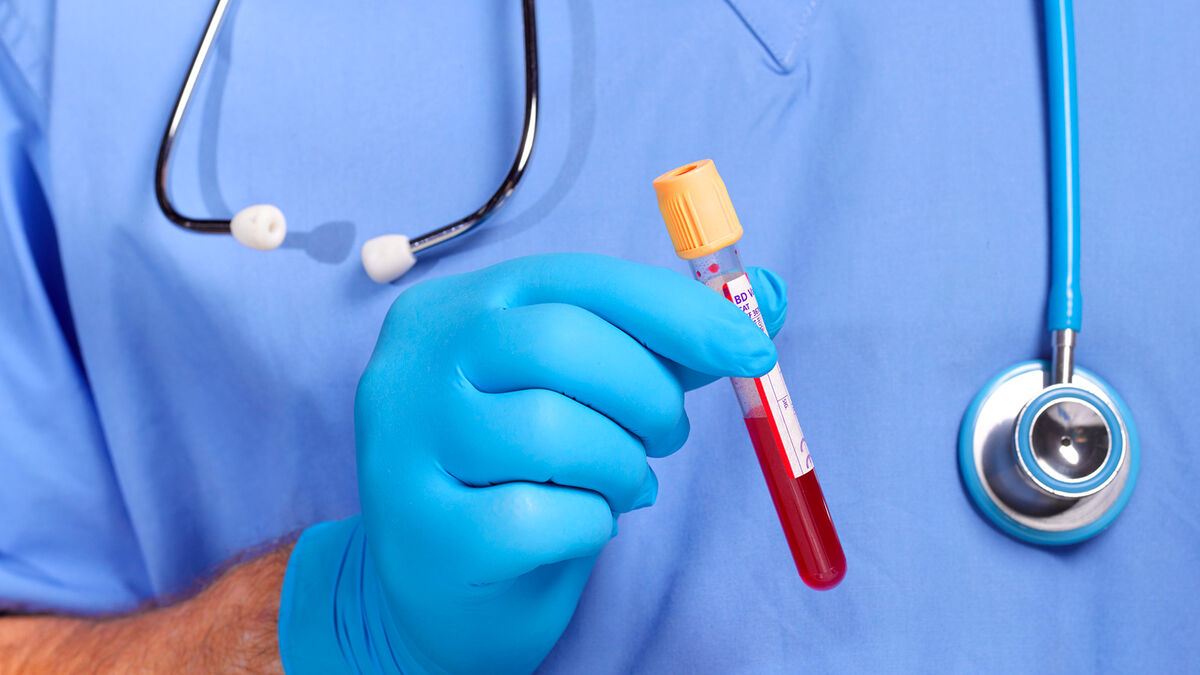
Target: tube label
[{"x": 776, "y": 401}]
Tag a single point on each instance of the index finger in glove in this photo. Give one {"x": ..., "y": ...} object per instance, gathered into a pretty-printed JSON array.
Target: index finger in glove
[
  {"x": 771, "y": 293},
  {"x": 670, "y": 314}
]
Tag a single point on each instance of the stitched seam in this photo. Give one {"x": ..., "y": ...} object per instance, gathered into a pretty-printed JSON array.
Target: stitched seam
[
  {"x": 802, "y": 29},
  {"x": 785, "y": 63},
  {"x": 23, "y": 53}
]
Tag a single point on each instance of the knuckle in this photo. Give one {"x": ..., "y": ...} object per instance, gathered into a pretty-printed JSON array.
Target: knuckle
[
  {"x": 671, "y": 441},
  {"x": 559, "y": 324},
  {"x": 415, "y": 300},
  {"x": 664, "y": 406},
  {"x": 626, "y": 477},
  {"x": 636, "y": 478},
  {"x": 542, "y": 412},
  {"x": 368, "y": 388},
  {"x": 530, "y": 507}
]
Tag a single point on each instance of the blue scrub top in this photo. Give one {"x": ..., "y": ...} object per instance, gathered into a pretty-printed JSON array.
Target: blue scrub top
[{"x": 169, "y": 399}]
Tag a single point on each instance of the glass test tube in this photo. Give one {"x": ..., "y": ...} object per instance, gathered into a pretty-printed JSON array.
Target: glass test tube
[{"x": 700, "y": 217}]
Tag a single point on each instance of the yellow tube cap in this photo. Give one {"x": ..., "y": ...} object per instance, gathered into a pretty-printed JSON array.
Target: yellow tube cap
[{"x": 696, "y": 207}]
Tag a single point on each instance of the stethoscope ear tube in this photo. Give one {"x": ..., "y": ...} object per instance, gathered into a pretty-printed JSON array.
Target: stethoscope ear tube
[
  {"x": 1066, "y": 302},
  {"x": 162, "y": 164},
  {"x": 264, "y": 227}
]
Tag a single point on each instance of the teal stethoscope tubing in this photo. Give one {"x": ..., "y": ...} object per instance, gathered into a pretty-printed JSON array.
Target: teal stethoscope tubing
[{"x": 1066, "y": 302}]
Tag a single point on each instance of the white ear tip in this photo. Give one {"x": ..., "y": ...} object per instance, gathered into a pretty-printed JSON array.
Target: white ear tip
[
  {"x": 260, "y": 227},
  {"x": 388, "y": 257}
]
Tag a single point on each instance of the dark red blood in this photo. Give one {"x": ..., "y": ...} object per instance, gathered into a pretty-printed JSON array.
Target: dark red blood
[
  {"x": 713, "y": 268},
  {"x": 800, "y": 504}
]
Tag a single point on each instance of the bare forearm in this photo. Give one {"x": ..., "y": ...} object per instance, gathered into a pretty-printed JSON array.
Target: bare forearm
[{"x": 229, "y": 627}]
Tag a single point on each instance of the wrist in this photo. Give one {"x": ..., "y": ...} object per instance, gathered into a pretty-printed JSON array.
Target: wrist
[
  {"x": 332, "y": 614},
  {"x": 231, "y": 624}
]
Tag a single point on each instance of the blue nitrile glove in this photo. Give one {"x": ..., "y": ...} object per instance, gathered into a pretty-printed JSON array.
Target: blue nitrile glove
[{"x": 502, "y": 423}]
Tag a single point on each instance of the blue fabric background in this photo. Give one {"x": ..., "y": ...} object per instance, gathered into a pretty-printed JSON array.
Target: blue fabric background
[{"x": 168, "y": 399}]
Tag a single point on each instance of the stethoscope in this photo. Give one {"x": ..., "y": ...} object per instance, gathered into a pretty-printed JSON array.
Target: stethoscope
[
  {"x": 384, "y": 258},
  {"x": 1048, "y": 451}
]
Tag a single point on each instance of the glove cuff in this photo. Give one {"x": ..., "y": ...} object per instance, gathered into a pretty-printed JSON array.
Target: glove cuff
[{"x": 332, "y": 616}]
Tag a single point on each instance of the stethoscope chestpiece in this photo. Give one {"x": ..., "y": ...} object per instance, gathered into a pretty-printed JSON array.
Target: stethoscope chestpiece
[
  {"x": 1047, "y": 451},
  {"x": 1069, "y": 442},
  {"x": 1048, "y": 465}
]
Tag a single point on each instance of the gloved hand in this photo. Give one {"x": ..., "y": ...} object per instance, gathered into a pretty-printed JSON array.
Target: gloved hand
[{"x": 502, "y": 424}]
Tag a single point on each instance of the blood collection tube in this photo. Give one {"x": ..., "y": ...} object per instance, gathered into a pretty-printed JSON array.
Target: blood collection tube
[{"x": 705, "y": 231}]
